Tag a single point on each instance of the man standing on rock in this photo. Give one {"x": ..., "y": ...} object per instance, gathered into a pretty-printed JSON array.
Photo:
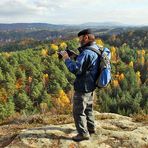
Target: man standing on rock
[{"x": 85, "y": 69}]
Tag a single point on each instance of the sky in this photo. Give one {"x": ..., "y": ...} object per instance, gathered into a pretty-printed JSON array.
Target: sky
[{"x": 133, "y": 12}]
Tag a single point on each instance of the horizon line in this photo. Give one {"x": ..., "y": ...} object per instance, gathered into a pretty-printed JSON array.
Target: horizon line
[{"x": 89, "y": 23}]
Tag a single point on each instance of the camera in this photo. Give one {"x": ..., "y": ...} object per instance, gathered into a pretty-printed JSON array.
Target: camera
[{"x": 70, "y": 53}]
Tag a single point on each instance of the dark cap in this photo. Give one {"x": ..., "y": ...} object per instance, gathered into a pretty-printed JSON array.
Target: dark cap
[{"x": 84, "y": 32}]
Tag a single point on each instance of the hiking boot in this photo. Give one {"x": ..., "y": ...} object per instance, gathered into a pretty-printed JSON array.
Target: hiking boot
[
  {"x": 79, "y": 137},
  {"x": 92, "y": 131}
]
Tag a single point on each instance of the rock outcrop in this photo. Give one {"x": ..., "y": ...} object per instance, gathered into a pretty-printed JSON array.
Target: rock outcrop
[{"x": 113, "y": 131}]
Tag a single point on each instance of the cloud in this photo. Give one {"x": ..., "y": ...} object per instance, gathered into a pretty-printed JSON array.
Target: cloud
[
  {"x": 73, "y": 11},
  {"x": 19, "y": 11},
  {"x": 16, "y": 8}
]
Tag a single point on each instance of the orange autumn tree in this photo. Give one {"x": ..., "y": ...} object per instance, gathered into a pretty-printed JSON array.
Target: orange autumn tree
[
  {"x": 7, "y": 106},
  {"x": 3, "y": 95},
  {"x": 115, "y": 83},
  {"x": 118, "y": 79},
  {"x": 19, "y": 83},
  {"x": 121, "y": 77},
  {"x": 28, "y": 85}
]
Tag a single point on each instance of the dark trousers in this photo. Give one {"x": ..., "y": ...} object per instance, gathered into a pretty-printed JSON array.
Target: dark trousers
[{"x": 83, "y": 112}]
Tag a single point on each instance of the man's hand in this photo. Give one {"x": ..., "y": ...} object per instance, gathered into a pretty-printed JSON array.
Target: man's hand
[{"x": 65, "y": 55}]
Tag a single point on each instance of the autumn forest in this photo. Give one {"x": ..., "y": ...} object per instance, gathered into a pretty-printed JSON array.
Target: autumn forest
[{"x": 33, "y": 79}]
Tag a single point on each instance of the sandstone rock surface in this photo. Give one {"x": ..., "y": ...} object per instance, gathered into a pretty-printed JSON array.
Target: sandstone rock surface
[{"x": 113, "y": 131}]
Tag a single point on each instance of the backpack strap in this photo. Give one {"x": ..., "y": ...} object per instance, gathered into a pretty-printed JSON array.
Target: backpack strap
[{"x": 99, "y": 52}]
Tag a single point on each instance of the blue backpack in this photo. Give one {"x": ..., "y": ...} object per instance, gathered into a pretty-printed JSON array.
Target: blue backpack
[{"x": 104, "y": 77}]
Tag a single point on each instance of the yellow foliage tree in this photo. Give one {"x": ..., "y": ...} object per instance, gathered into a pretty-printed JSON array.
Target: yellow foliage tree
[
  {"x": 113, "y": 49},
  {"x": 63, "y": 45},
  {"x": 141, "y": 60},
  {"x": 138, "y": 52},
  {"x": 43, "y": 107},
  {"x": 143, "y": 52},
  {"x": 113, "y": 54},
  {"x": 77, "y": 39},
  {"x": 62, "y": 102},
  {"x": 7, "y": 55},
  {"x": 54, "y": 47},
  {"x": 131, "y": 64},
  {"x": 99, "y": 42},
  {"x": 44, "y": 52},
  {"x": 138, "y": 75},
  {"x": 45, "y": 78},
  {"x": 29, "y": 79}
]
